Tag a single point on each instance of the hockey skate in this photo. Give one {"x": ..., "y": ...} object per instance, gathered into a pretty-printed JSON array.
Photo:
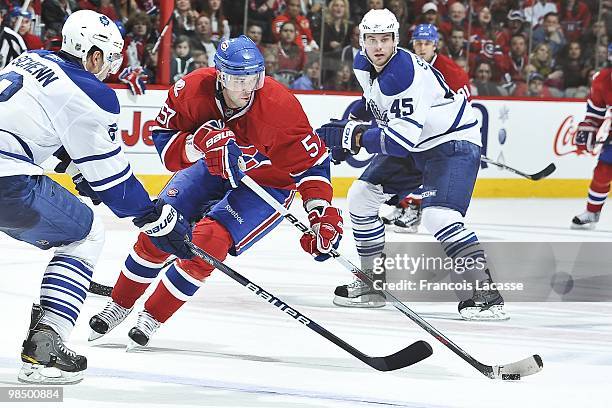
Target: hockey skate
[
  {"x": 409, "y": 221},
  {"x": 107, "y": 319},
  {"x": 484, "y": 305},
  {"x": 586, "y": 220},
  {"x": 144, "y": 329},
  {"x": 393, "y": 216},
  {"x": 46, "y": 359},
  {"x": 360, "y": 294}
]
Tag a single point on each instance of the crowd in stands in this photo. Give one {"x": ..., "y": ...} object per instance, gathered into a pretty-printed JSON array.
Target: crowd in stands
[{"x": 508, "y": 47}]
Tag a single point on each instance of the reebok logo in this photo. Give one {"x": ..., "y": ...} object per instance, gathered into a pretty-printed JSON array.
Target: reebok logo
[{"x": 234, "y": 214}]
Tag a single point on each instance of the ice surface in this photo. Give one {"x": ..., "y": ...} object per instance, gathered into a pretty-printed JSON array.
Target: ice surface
[{"x": 227, "y": 348}]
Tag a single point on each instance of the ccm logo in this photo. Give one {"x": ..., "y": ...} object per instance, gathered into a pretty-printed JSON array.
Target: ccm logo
[{"x": 218, "y": 137}]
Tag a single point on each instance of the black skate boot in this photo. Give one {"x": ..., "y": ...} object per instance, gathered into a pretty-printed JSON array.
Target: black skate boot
[
  {"x": 46, "y": 358},
  {"x": 485, "y": 304},
  {"x": 144, "y": 329},
  {"x": 107, "y": 319},
  {"x": 360, "y": 294}
]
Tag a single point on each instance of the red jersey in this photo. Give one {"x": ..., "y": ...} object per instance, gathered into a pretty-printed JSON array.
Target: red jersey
[
  {"x": 600, "y": 96},
  {"x": 302, "y": 26},
  {"x": 454, "y": 75},
  {"x": 279, "y": 147}
]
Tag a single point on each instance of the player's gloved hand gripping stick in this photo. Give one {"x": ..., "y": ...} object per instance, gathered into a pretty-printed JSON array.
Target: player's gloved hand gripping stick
[{"x": 512, "y": 371}]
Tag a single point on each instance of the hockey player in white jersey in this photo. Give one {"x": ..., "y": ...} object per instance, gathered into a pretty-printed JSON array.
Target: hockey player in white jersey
[
  {"x": 50, "y": 101},
  {"x": 424, "y": 133}
]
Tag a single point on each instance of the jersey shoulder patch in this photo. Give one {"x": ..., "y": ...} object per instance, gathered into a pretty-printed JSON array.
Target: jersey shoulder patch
[
  {"x": 398, "y": 75},
  {"x": 100, "y": 93}
]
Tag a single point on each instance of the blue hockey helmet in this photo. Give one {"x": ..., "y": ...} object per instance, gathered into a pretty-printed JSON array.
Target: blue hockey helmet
[
  {"x": 240, "y": 65},
  {"x": 121, "y": 27},
  {"x": 427, "y": 32}
]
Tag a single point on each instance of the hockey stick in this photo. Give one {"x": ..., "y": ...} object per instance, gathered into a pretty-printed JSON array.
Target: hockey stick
[
  {"x": 536, "y": 176},
  {"x": 104, "y": 290},
  {"x": 412, "y": 354},
  {"x": 512, "y": 371}
]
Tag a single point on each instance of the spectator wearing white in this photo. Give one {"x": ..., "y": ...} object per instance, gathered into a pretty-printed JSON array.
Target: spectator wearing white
[
  {"x": 535, "y": 14},
  {"x": 202, "y": 39}
]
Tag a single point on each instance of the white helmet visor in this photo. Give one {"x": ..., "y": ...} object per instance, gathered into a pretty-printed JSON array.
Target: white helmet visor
[
  {"x": 242, "y": 83},
  {"x": 114, "y": 59}
]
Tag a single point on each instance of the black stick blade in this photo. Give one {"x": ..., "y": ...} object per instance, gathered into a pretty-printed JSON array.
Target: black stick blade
[
  {"x": 99, "y": 289},
  {"x": 412, "y": 354},
  {"x": 544, "y": 173}
]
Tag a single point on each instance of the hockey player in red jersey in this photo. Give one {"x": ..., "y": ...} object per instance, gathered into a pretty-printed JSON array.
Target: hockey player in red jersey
[
  {"x": 406, "y": 215},
  {"x": 216, "y": 123},
  {"x": 598, "y": 105}
]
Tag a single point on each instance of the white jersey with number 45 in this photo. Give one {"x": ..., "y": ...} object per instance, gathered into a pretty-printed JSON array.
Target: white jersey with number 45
[{"x": 412, "y": 104}]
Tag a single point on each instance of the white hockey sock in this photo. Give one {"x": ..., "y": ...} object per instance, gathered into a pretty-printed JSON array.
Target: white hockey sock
[{"x": 62, "y": 293}]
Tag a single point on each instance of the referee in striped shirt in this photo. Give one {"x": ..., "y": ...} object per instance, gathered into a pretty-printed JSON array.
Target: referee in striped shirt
[{"x": 11, "y": 45}]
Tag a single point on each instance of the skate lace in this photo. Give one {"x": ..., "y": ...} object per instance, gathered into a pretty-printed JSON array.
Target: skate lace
[
  {"x": 147, "y": 323},
  {"x": 65, "y": 350},
  {"x": 113, "y": 313},
  {"x": 356, "y": 284},
  {"x": 409, "y": 216}
]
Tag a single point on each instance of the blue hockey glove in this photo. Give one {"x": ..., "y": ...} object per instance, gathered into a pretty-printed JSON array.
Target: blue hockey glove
[
  {"x": 84, "y": 189},
  {"x": 342, "y": 133},
  {"x": 167, "y": 229}
]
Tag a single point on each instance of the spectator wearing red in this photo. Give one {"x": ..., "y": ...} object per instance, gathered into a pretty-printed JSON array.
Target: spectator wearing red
[
  {"x": 550, "y": 32},
  {"x": 482, "y": 43},
  {"x": 456, "y": 19},
  {"x": 289, "y": 55},
  {"x": 292, "y": 14},
  {"x": 534, "y": 14},
  {"x": 516, "y": 25},
  {"x": 575, "y": 18},
  {"x": 32, "y": 41},
  {"x": 108, "y": 9},
  {"x": 262, "y": 12},
  {"x": 218, "y": 22},
  {"x": 516, "y": 59}
]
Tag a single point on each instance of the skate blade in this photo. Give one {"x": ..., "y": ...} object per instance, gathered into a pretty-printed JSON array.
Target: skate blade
[
  {"x": 94, "y": 335},
  {"x": 589, "y": 226},
  {"x": 364, "y": 301},
  {"x": 493, "y": 313},
  {"x": 132, "y": 346},
  {"x": 406, "y": 230},
  {"x": 39, "y": 374}
]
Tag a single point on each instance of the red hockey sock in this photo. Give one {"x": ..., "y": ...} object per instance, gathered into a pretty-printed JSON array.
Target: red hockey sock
[
  {"x": 141, "y": 268},
  {"x": 184, "y": 278},
  {"x": 600, "y": 186}
]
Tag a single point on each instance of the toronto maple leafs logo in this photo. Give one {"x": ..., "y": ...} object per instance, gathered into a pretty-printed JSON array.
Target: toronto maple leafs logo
[
  {"x": 381, "y": 117},
  {"x": 104, "y": 20}
]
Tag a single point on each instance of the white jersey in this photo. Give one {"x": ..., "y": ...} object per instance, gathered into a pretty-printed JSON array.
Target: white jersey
[
  {"x": 47, "y": 102},
  {"x": 413, "y": 106}
]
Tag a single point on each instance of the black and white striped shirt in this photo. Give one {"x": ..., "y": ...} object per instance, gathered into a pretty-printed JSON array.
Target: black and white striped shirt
[{"x": 11, "y": 46}]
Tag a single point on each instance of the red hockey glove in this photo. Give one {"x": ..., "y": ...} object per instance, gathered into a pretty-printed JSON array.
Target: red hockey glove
[
  {"x": 222, "y": 155},
  {"x": 326, "y": 222},
  {"x": 135, "y": 78},
  {"x": 585, "y": 136}
]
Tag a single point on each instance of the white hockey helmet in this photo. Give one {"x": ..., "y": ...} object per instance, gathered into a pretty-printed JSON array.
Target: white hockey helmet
[
  {"x": 378, "y": 22},
  {"x": 85, "y": 29}
]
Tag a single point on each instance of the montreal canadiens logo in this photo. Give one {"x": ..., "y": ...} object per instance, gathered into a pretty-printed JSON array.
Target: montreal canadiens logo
[
  {"x": 224, "y": 45},
  {"x": 173, "y": 192}
]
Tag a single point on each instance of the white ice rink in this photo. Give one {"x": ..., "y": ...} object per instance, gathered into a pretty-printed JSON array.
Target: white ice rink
[{"x": 227, "y": 348}]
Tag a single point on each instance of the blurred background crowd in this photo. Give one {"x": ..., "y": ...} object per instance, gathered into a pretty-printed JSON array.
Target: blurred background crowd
[{"x": 527, "y": 48}]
